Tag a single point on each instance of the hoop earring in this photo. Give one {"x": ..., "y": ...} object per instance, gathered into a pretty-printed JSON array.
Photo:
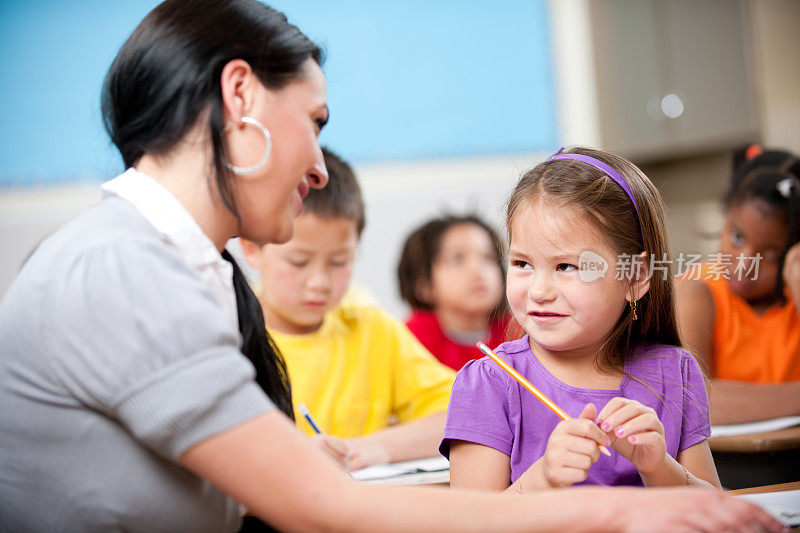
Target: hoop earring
[
  {"x": 633, "y": 310},
  {"x": 267, "y": 149}
]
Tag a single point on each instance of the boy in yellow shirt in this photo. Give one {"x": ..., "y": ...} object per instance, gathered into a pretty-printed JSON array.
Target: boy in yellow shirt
[{"x": 355, "y": 367}]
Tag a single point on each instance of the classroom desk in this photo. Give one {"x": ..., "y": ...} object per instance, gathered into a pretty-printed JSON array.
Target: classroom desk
[
  {"x": 795, "y": 485},
  {"x": 757, "y": 459}
]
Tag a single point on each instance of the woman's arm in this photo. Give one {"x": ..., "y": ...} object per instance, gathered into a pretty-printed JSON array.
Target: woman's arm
[
  {"x": 731, "y": 402},
  {"x": 415, "y": 439},
  {"x": 474, "y": 466},
  {"x": 271, "y": 468}
]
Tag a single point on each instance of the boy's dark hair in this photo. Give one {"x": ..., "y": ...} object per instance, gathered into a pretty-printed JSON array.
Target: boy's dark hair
[
  {"x": 341, "y": 197},
  {"x": 771, "y": 177},
  {"x": 421, "y": 251}
]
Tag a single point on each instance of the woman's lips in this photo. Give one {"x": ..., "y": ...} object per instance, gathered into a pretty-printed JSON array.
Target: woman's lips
[
  {"x": 302, "y": 192},
  {"x": 303, "y": 189}
]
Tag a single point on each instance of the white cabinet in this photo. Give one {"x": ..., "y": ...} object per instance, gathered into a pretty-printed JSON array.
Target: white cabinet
[{"x": 671, "y": 77}]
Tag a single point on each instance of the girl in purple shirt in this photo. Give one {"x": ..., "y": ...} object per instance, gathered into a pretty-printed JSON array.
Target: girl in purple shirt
[{"x": 590, "y": 283}]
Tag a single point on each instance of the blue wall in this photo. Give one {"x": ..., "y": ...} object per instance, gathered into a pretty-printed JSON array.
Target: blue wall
[{"x": 407, "y": 79}]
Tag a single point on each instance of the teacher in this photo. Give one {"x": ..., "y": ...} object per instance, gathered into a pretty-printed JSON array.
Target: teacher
[{"x": 133, "y": 358}]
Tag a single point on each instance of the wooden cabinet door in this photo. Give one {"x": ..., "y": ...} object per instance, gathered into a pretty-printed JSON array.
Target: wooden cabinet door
[
  {"x": 691, "y": 52},
  {"x": 628, "y": 75},
  {"x": 708, "y": 71}
]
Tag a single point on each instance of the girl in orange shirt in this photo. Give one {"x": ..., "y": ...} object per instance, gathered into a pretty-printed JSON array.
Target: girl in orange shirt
[{"x": 741, "y": 318}]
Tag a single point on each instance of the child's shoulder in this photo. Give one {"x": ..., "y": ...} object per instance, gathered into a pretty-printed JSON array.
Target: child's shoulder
[
  {"x": 362, "y": 313},
  {"x": 515, "y": 353},
  {"x": 661, "y": 350},
  {"x": 669, "y": 358}
]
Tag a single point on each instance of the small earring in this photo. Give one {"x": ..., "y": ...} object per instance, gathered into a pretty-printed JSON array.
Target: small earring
[
  {"x": 633, "y": 310},
  {"x": 267, "y": 149}
]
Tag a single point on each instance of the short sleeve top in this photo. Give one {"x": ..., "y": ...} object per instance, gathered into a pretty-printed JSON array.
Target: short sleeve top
[
  {"x": 489, "y": 407},
  {"x": 116, "y": 359}
]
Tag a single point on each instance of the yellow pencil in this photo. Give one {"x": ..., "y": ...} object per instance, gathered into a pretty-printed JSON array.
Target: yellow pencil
[{"x": 533, "y": 390}]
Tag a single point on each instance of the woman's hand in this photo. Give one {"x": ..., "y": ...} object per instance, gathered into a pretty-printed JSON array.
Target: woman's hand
[
  {"x": 656, "y": 510},
  {"x": 636, "y": 433},
  {"x": 571, "y": 449},
  {"x": 336, "y": 448}
]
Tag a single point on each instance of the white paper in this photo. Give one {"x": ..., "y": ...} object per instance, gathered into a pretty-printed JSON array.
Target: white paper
[
  {"x": 784, "y": 505},
  {"x": 432, "y": 464},
  {"x": 755, "y": 427}
]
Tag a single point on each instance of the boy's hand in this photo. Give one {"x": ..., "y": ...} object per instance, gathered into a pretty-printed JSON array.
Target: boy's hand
[
  {"x": 636, "y": 433},
  {"x": 336, "y": 448},
  {"x": 572, "y": 449},
  {"x": 365, "y": 452}
]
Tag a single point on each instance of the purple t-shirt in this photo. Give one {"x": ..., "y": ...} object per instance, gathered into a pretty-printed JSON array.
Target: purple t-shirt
[{"x": 488, "y": 407}]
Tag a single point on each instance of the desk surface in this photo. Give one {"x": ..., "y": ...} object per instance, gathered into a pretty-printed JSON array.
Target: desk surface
[
  {"x": 770, "y": 441},
  {"x": 794, "y": 485}
]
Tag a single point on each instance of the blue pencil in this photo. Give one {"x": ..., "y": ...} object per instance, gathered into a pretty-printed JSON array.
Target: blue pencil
[{"x": 310, "y": 419}]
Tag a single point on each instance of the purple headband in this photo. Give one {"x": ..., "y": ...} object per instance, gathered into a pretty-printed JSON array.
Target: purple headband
[{"x": 608, "y": 171}]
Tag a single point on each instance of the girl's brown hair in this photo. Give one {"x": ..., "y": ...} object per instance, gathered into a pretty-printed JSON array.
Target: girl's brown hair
[{"x": 587, "y": 191}]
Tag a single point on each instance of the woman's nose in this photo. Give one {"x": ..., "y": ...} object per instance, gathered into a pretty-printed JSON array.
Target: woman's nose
[{"x": 318, "y": 174}]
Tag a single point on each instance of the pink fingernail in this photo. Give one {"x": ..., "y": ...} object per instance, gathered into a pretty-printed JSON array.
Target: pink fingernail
[
  {"x": 632, "y": 438},
  {"x": 620, "y": 431},
  {"x": 605, "y": 426}
]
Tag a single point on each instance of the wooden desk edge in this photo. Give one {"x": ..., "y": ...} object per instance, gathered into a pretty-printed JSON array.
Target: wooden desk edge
[
  {"x": 770, "y": 441},
  {"x": 780, "y": 487}
]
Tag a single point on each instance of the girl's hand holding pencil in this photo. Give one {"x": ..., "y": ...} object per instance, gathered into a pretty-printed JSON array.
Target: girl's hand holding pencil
[
  {"x": 636, "y": 433},
  {"x": 572, "y": 448},
  {"x": 573, "y": 445}
]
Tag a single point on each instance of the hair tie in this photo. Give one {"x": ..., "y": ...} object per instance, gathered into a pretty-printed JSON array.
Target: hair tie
[
  {"x": 785, "y": 187},
  {"x": 784, "y": 168},
  {"x": 608, "y": 171},
  {"x": 754, "y": 150}
]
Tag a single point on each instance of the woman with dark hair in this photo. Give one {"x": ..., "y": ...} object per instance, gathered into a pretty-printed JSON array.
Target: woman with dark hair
[
  {"x": 127, "y": 402},
  {"x": 740, "y": 314}
]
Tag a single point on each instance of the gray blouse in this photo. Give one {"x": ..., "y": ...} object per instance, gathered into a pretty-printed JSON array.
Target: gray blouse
[{"x": 114, "y": 360}]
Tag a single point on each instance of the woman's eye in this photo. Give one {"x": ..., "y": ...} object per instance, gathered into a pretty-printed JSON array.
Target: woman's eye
[
  {"x": 565, "y": 267},
  {"x": 298, "y": 264},
  {"x": 518, "y": 263},
  {"x": 338, "y": 264},
  {"x": 737, "y": 239}
]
